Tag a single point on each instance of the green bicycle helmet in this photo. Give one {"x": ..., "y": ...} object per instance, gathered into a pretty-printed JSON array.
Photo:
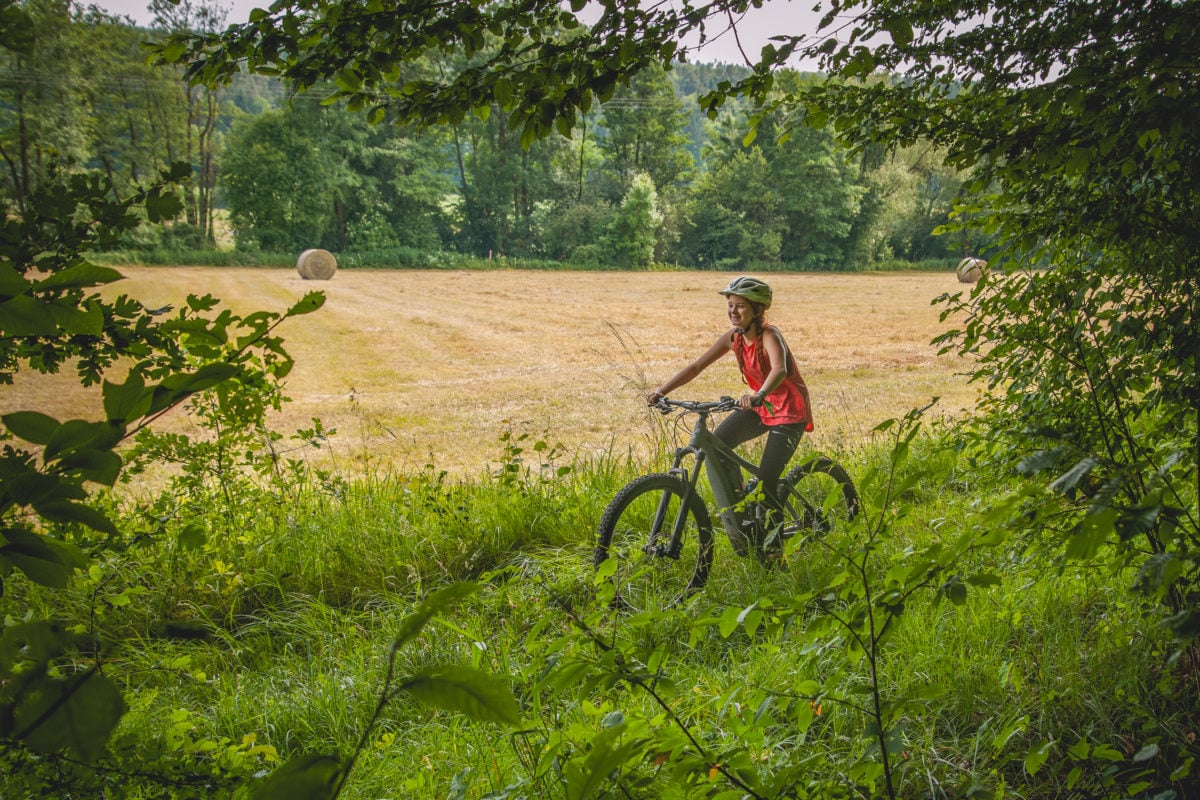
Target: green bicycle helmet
[{"x": 752, "y": 289}]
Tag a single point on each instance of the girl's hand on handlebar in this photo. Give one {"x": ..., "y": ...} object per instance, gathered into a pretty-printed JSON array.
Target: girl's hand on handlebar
[
  {"x": 749, "y": 401},
  {"x": 653, "y": 398}
]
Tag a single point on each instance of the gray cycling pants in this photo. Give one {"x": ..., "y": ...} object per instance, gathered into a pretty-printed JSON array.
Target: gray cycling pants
[{"x": 743, "y": 425}]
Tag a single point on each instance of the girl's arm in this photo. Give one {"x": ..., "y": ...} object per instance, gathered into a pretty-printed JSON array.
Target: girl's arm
[{"x": 720, "y": 347}]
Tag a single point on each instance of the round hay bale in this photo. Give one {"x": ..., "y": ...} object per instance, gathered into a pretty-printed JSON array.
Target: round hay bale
[
  {"x": 316, "y": 265},
  {"x": 970, "y": 269}
]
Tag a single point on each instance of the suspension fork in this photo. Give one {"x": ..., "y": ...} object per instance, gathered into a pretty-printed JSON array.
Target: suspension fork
[{"x": 674, "y": 544}]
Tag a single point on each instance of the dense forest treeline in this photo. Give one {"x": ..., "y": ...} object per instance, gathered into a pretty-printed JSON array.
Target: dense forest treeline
[{"x": 647, "y": 177}]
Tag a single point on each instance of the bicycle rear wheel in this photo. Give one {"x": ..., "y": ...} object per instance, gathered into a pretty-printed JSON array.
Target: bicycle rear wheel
[
  {"x": 817, "y": 496},
  {"x": 636, "y": 531}
]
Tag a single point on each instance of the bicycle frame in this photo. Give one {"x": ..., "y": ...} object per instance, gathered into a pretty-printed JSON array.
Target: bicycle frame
[
  {"x": 676, "y": 553},
  {"x": 724, "y": 476}
]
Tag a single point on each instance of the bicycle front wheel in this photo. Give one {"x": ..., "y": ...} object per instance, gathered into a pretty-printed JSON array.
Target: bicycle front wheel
[
  {"x": 661, "y": 543},
  {"x": 817, "y": 496}
]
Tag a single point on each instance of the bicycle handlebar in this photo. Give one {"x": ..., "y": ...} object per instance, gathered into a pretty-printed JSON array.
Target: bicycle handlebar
[{"x": 666, "y": 405}]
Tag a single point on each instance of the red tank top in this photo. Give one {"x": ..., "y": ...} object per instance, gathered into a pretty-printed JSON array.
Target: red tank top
[{"x": 789, "y": 401}]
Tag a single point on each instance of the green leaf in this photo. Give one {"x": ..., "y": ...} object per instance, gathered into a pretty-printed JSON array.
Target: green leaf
[
  {"x": 1077, "y": 162},
  {"x": 17, "y": 30},
  {"x": 1137, "y": 521},
  {"x": 1041, "y": 460},
  {"x": 205, "y": 377},
  {"x": 606, "y": 570},
  {"x": 78, "y": 434},
  {"x": 954, "y": 590},
  {"x": 97, "y": 465},
  {"x": 1080, "y": 750},
  {"x": 1008, "y": 732},
  {"x": 1147, "y": 753},
  {"x": 72, "y": 319},
  {"x": 1090, "y": 535},
  {"x": 67, "y": 512},
  {"x": 609, "y": 752},
  {"x": 192, "y": 537},
  {"x": 24, "y": 316},
  {"x": 311, "y": 777},
  {"x": 196, "y": 331},
  {"x": 78, "y": 277},
  {"x": 307, "y": 304},
  {"x": 984, "y": 579},
  {"x": 1184, "y": 626},
  {"x": 162, "y": 205},
  {"x": 42, "y": 559},
  {"x": 32, "y": 426},
  {"x": 1157, "y": 573},
  {"x": 436, "y": 602},
  {"x": 128, "y": 401},
  {"x": 1037, "y": 756},
  {"x": 900, "y": 30},
  {"x": 172, "y": 51},
  {"x": 613, "y": 719},
  {"x": 31, "y": 642},
  {"x": 1069, "y": 480},
  {"x": 730, "y": 619},
  {"x": 26, "y": 484},
  {"x": 77, "y": 714},
  {"x": 861, "y": 64},
  {"x": 12, "y": 283},
  {"x": 467, "y": 690},
  {"x": 1183, "y": 771},
  {"x": 503, "y": 92}
]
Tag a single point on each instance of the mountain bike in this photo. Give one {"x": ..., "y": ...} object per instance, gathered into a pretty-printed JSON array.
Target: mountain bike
[{"x": 654, "y": 541}]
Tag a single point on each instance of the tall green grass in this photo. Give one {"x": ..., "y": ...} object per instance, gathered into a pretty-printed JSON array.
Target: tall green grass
[{"x": 271, "y": 639}]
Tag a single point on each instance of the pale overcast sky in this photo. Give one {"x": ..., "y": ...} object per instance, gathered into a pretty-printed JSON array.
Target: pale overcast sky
[{"x": 775, "y": 17}]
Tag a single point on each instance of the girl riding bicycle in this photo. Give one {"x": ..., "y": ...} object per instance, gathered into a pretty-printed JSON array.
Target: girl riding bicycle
[{"x": 777, "y": 404}]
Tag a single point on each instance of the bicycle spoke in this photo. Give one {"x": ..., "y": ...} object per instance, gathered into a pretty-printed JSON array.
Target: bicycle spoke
[
  {"x": 653, "y": 568},
  {"x": 818, "y": 497}
]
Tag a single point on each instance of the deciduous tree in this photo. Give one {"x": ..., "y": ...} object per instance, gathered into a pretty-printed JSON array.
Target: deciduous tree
[
  {"x": 43, "y": 114},
  {"x": 202, "y": 104},
  {"x": 633, "y": 232},
  {"x": 644, "y": 131},
  {"x": 280, "y": 181},
  {"x": 1078, "y": 124},
  {"x": 733, "y": 218}
]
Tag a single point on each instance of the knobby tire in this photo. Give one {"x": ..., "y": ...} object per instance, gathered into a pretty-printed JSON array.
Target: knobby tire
[
  {"x": 817, "y": 496},
  {"x": 644, "y": 581}
]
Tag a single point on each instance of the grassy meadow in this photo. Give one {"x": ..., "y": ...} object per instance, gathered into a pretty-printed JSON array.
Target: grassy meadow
[
  {"x": 418, "y": 366},
  {"x": 252, "y": 621}
]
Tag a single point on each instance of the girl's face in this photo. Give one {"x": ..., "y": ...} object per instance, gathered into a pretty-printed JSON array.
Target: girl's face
[{"x": 741, "y": 311}]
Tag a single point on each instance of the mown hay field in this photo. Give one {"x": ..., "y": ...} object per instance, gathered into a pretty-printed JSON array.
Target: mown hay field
[{"x": 419, "y": 367}]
